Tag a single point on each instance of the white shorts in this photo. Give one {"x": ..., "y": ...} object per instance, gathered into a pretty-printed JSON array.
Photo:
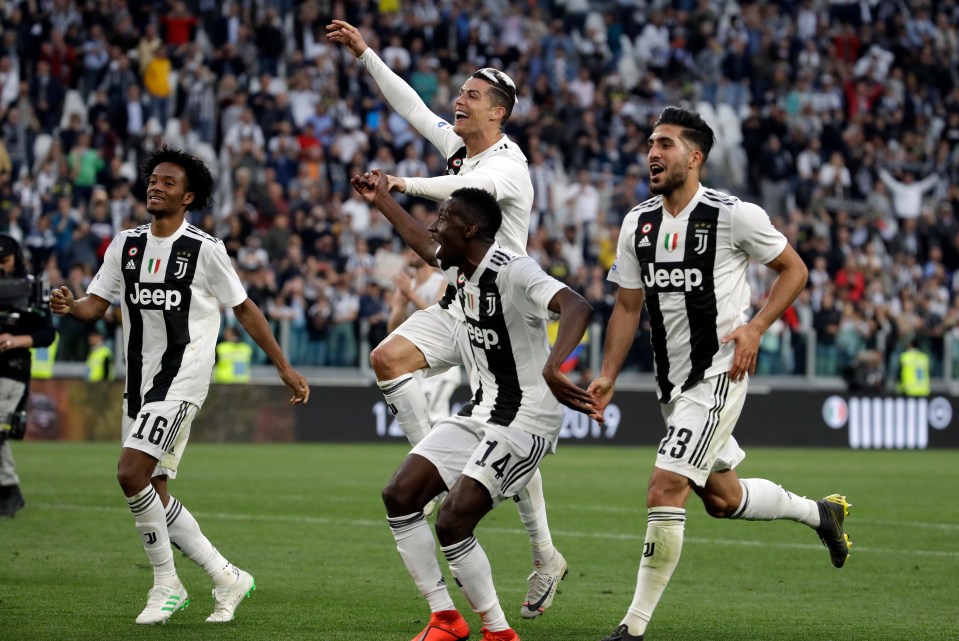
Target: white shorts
[
  {"x": 434, "y": 332},
  {"x": 699, "y": 429},
  {"x": 502, "y": 459},
  {"x": 161, "y": 429}
]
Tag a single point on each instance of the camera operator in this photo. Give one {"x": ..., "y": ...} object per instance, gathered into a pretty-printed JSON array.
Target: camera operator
[{"x": 25, "y": 322}]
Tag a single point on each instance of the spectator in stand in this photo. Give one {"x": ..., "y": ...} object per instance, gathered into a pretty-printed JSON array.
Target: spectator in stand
[
  {"x": 158, "y": 84},
  {"x": 46, "y": 95},
  {"x": 179, "y": 25},
  {"x": 907, "y": 194}
]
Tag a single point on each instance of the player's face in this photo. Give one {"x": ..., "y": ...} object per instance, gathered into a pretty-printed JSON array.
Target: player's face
[
  {"x": 669, "y": 160},
  {"x": 472, "y": 109},
  {"x": 447, "y": 230},
  {"x": 166, "y": 190}
]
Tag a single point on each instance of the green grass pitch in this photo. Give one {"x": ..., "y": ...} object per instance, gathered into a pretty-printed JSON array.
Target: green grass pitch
[{"x": 307, "y": 521}]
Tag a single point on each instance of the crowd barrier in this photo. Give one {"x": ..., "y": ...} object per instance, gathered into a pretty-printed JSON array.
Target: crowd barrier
[{"x": 75, "y": 410}]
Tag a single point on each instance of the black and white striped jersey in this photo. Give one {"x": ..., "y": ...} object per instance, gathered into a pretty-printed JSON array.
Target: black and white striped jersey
[
  {"x": 693, "y": 270},
  {"x": 170, "y": 292},
  {"x": 505, "y": 304}
]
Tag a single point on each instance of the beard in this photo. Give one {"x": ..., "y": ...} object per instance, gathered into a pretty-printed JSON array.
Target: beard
[{"x": 670, "y": 183}]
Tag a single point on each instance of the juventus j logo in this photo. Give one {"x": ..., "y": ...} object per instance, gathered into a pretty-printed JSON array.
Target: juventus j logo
[
  {"x": 181, "y": 265},
  {"x": 649, "y": 549},
  {"x": 702, "y": 237},
  {"x": 151, "y": 538},
  {"x": 490, "y": 304}
]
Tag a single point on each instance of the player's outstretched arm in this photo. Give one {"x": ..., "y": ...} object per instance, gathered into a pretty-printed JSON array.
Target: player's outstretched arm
[
  {"x": 89, "y": 308},
  {"x": 574, "y": 316},
  {"x": 374, "y": 187},
  {"x": 256, "y": 326},
  {"x": 402, "y": 97},
  {"x": 344, "y": 33},
  {"x": 620, "y": 332}
]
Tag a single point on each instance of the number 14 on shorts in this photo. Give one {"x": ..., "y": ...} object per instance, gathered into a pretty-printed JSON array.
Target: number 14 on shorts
[{"x": 499, "y": 464}]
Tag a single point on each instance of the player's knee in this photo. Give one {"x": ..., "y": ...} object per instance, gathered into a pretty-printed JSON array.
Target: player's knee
[
  {"x": 131, "y": 482},
  {"x": 397, "y": 500},
  {"x": 388, "y": 361},
  {"x": 719, "y": 507}
]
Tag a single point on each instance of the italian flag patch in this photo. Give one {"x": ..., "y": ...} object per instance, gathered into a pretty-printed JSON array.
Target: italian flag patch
[{"x": 670, "y": 241}]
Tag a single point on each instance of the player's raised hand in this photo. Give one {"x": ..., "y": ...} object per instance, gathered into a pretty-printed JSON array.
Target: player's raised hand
[
  {"x": 369, "y": 183},
  {"x": 61, "y": 300},
  {"x": 344, "y": 33}
]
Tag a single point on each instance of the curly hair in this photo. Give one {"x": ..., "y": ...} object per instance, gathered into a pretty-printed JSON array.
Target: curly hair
[{"x": 199, "y": 180}]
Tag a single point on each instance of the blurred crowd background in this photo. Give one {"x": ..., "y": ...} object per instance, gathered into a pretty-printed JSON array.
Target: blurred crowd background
[{"x": 839, "y": 117}]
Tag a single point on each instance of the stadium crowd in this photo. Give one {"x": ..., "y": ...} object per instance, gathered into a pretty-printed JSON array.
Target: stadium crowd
[{"x": 839, "y": 117}]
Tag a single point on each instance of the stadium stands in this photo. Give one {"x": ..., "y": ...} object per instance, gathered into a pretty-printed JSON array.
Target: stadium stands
[{"x": 285, "y": 119}]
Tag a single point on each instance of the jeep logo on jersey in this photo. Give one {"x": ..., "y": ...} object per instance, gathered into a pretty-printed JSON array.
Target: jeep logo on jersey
[
  {"x": 482, "y": 338},
  {"x": 146, "y": 297},
  {"x": 672, "y": 280}
]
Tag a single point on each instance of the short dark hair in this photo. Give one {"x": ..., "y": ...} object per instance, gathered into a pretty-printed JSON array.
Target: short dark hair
[
  {"x": 480, "y": 207},
  {"x": 502, "y": 89},
  {"x": 199, "y": 180},
  {"x": 695, "y": 129}
]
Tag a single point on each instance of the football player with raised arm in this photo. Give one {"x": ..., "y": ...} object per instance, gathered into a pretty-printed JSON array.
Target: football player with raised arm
[
  {"x": 492, "y": 447},
  {"x": 685, "y": 253},
  {"x": 478, "y": 155},
  {"x": 171, "y": 279}
]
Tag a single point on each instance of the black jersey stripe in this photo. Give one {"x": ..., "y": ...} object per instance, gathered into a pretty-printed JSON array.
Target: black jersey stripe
[
  {"x": 701, "y": 308},
  {"x": 500, "y": 357},
  {"x": 176, "y": 320},
  {"x": 202, "y": 234},
  {"x": 719, "y": 197},
  {"x": 133, "y": 250},
  {"x": 647, "y": 257}
]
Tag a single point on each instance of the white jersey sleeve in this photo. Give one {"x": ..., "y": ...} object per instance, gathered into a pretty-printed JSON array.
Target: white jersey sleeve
[
  {"x": 531, "y": 289},
  {"x": 501, "y": 177},
  {"x": 753, "y": 233},
  {"x": 407, "y": 103},
  {"x": 221, "y": 278},
  {"x": 625, "y": 270},
  {"x": 109, "y": 278}
]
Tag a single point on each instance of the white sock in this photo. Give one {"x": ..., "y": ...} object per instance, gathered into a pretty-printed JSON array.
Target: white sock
[
  {"x": 765, "y": 501},
  {"x": 406, "y": 400},
  {"x": 417, "y": 548},
  {"x": 150, "y": 521},
  {"x": 532, "y": 512},
  {"x": 471, "y": 569},
  {"x": 661, "y": 550},
  {"x": 185, "y": 534}
]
